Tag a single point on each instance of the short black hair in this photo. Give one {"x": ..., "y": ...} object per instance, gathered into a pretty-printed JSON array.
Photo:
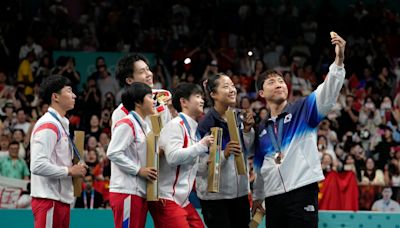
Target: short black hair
[
  {"x": 134, "y": 94},
  {"x": 184, "y": 90},
  {"x": 264, "y": 76},
  {"x": 21, "y": 109},
  {"x": 13, "y": 143},
  {"x": 52, "y": 84},
  {"x": 125, "y": 67}
]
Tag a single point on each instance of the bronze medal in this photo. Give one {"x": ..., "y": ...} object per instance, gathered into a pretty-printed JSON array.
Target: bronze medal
[{"x": 278, "y": 158}]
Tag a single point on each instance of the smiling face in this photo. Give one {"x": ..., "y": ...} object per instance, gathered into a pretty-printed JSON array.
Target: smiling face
[
  {"x": 370, "y": 164},
  {"x": 274, "y": 89},
  {"x": 147, "y": 107},
  {"x": 141, "y": 73},
  {"x": 225, "y": 93}
]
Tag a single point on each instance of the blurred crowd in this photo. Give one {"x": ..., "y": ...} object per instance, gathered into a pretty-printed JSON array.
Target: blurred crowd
[{"x": 194, "y": 39}]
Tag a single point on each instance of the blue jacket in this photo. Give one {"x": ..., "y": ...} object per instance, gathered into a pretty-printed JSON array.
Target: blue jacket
[
  {"x": 231, "y": 184},
  {"x": 301, "y": 164}
]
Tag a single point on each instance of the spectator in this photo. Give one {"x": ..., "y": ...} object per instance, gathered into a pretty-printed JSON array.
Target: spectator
[
  {"x": 92, "y": 99},
  {"x": 349, "y": 164},
  {"x": 106, "y": 83},
  {"x": 330, "y": 135},
  {"x": 30, "y": 46},
  {"x": 4, "y": 144},
  {"x": 105, "y": 121},
  {"x": 392, "y": 171},
  {"x": 300, "y": 82},
  {"x": 384, "y": 148},
  {"x": 94, "y": 128},
  {"x": 90, "y": 198},
  {"x": 22, "y": 122},
  {"x": 25, "y": 73},
  {"x": 211, "y": 69},
  {"x": 92, "y": 160},
  {"x": 44, "y": 69},
  {"x": 68, "y": 71},
  {"x": 19, "y": 136},
  {"x": 327, "y": 163},
  {"x": 71, "y": 42},
  {"x": 359, "y": 156},
  {"x": 371, "y": 175},
  {"x": 348, "y": 117},
  {"x": 386, "y": 204},
  {"x": 385, "y": 83},
  {"x": 100, "y": 63},
  {"x": 13, "y": 166},
  {"x": 9, "y": 119},
  {"x": 5, "y": 89},
  {"x": 322, "y": 144},
  {"x": 369, "y": 116}
]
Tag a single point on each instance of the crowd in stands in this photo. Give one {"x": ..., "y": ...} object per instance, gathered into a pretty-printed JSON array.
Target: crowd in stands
[{"x": 191, "y": 40}]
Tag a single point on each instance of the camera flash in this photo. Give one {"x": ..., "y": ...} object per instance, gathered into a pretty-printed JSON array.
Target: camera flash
[{"x": 187, "y": 61}]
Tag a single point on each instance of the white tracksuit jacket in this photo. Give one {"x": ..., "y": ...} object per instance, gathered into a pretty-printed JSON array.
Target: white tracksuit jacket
[
  {"x": 178, "y": 166},
  {"x": 127, "y": 153},
  {"x": 51, "y": 156}
]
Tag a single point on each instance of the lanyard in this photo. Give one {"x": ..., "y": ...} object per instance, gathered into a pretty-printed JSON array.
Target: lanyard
[
  {"x": 276, "y": 139},
  {"x": 198, "y": 137},
  {"x": 138, "y": 120},
  {"x": 91, "y": 199},
  {"x": 71, "y": 143}
]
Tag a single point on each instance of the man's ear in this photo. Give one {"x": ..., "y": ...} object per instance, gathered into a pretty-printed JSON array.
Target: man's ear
[
  {"x": 139, "y": 105},
  {"x": 55, "y": 97},
  {"x": 261, "y": 93}
]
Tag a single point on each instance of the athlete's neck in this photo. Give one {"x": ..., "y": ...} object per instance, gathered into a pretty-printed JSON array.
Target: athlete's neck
[
  {"x": 221, "y": 109},
  {"x": 277, "y": 108},
  {"x": 59, "y": 110}
]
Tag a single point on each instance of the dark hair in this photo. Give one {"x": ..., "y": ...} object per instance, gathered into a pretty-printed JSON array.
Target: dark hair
[
  {"x": 125, "y": 67},
  {"x": 371, "y": 176},
  {"x": 13, "y": 143},
  {"x": 134, "y": 94},
  {"x": 20, "y": 130},
  {"x": 211, "y": 84},
  {"x": 52, "y": 84},
  {"x": 184, "y": 90},
  {"x": 264, "y": 76},
  {"x": 99, "y": 58},
  {"x": 20, "y": 109}
]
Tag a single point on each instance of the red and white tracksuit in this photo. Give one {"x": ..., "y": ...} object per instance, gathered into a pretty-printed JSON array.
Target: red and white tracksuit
[
  {"x": 127, "y": 153},
  {"x": 163, "y": 110},
  {"x": 177, "y": 174},
  {"x": 51, "y": 187}
]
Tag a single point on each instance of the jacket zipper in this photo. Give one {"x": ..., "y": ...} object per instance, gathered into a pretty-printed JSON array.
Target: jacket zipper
[{"x": 280, "y": 175}]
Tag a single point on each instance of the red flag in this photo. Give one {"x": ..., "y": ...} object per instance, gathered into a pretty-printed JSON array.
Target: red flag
[{"x": 339, "y": 191}]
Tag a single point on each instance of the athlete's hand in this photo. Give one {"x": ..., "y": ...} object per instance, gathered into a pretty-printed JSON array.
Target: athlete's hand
[
  {"x": 78, "y": 170},
  {"x": 340, "y": 45},
  {"x": 232, "y": 147},
  {"x": 207, "y": 140},
  {"x": 257, "y": 205},
  {"x": 148, "y": 173}
]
